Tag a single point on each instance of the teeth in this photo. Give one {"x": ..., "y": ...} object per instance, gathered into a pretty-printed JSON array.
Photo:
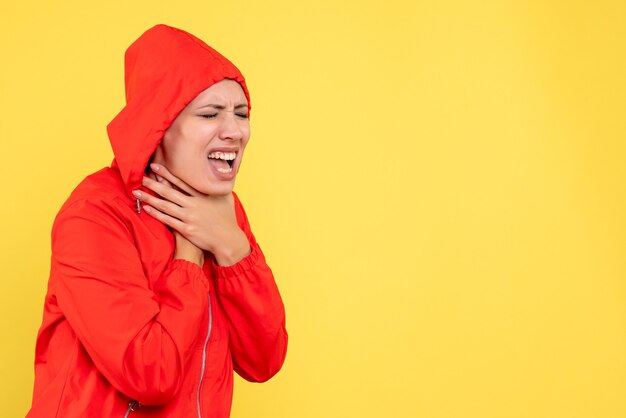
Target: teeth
[
  {"x": 225, "y": 170},
  {"x": 227, "y": 156}
]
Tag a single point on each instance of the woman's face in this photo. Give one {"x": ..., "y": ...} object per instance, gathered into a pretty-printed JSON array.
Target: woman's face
[{"x": 204, "y": 145}]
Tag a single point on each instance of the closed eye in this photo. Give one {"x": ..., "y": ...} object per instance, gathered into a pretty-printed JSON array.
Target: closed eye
[{"x": 209, "y": 115}]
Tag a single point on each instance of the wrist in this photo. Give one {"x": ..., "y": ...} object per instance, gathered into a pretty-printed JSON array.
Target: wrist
[
  {"x": 234, "y": 251},
  {"x": 185, "y": 250},
  {"x": 193, "y": 258}
]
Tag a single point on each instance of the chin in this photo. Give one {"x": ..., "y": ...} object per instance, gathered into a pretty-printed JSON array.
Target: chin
[{"x": 217, "y": 188}]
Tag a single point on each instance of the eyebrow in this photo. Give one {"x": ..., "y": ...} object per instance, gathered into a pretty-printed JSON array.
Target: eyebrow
[{"x": 221, "y": 107}]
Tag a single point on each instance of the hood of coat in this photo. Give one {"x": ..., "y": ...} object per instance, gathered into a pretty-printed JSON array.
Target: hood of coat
[{"x": 164, "y": 70}]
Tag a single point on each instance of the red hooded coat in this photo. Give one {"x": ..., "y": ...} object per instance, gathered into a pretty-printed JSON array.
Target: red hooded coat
[{"x": 128, "y": 330}]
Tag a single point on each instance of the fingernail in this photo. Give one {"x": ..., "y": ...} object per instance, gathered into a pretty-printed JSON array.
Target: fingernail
[
  {"x": 159, "y": 178},
  {"x": 147, "y": 208},
  {"x": 136, "y": 193},
  {"x": 154, "y": 167}
]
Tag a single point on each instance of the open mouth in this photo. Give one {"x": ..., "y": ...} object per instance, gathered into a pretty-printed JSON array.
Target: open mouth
[{"x": 223, "y": 161}]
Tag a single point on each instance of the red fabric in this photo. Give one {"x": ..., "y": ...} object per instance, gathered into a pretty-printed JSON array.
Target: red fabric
[{"x": 122, "y": 320}]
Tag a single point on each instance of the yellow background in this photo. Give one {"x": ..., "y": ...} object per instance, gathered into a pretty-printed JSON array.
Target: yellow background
[{"x": 439, "y": 187}]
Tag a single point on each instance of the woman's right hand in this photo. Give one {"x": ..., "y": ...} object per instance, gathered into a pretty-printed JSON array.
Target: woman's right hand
[
  {"x": 207, "y": 221},
  {"x": 184, "y": 249}
]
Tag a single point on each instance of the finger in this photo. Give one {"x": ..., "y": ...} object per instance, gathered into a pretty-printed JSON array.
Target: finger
[
  {"x": 163, "y": 181},
  {"x": 164, "y": 218},
  {"x": 167, "y": 175},
  {"x": 162, "y": 205},
  {"x": 165, "y": 191}
]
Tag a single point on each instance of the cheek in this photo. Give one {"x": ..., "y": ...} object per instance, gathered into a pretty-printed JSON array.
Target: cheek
[
  {"x": 170, "y": 139},
  {"x": 182, "y": 143},
  {"x": 246, "y": 136},
  {"x": 170, "y": 151}
]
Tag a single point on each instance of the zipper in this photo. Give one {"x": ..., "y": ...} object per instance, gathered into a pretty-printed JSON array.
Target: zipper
[
  {"x": 132, "y": 406},
  {"x": 206, "y": 342}
]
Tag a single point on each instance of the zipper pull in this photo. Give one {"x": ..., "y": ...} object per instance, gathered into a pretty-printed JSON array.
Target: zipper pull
[{"x": 133, "y": 405}]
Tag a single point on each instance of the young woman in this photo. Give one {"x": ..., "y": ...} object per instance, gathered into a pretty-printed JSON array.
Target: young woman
[{"x": 158, "y": 289}]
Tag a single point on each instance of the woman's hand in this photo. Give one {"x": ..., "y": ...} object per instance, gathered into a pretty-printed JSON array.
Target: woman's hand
[{"x": 208, "y": 222}]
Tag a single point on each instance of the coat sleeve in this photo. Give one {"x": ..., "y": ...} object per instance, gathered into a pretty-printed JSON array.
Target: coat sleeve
[
  {"x": 254, "y": 310},
  {"x": 138, "y": 336}
]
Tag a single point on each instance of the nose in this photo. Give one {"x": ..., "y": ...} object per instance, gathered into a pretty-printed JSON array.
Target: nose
[{"x": 230, "y": 130}]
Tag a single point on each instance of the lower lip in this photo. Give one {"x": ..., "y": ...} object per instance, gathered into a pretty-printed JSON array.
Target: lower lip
[{"x": 223, "y": 176}]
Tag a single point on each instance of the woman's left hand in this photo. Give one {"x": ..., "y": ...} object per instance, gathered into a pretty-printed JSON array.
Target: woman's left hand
[{"x": 208, "y": 221}]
